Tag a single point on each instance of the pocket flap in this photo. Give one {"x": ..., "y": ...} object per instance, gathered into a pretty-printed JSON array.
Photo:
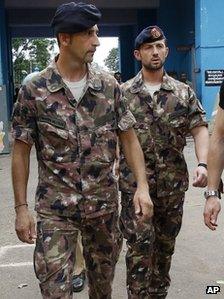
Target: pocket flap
[{"x": 46, "y": 128}]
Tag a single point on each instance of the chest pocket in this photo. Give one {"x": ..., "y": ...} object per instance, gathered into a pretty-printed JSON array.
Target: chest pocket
[
  {"x": 179, "y": 118},
  {"x": 53, "y": 142},
  {"x": 99, "y": 145},
  {"x": 52, "y": 131},
  {"x": 178, "y": 124}
]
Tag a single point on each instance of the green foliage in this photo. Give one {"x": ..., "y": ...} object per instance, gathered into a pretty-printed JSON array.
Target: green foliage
[
  {"x": 29, "y": 54},
  {"x": 112, "y": 60}
]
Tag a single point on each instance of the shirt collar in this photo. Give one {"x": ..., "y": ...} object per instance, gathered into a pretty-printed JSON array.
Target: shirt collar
[
  {"x": 55, "y": 81},
  {"x": 167, "y": 82},
  {"x": 138, "y": 83},
  {"x": 94, "y": 78}
]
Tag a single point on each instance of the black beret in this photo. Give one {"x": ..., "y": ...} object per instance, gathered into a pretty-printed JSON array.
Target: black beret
[
  {"x": 75, "y": 17},
  {"x": 150, "y": 34}
]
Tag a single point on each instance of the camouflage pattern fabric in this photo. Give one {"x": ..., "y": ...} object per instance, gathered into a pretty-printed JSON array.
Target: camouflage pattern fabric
[
  {"x": 162, "y": 124},
  {"x": 75, "y": 141},
  {"x": 76, "y": 148},
  {"x": 140, "y": 238},
  {"x": 54, "y": 255},
  {"x": 167, "y": 220},
  {"x": 150, "y": 245}
]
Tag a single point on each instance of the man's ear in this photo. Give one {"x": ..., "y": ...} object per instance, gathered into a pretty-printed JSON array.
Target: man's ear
[
  {"x": 65, "y": 39},
  {"x": 137, "y": 55}
]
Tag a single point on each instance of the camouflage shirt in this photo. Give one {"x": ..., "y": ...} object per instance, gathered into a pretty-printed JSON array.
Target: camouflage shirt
[
  {"x": 75, "y": 141},
  {"x": 162, "y": 124}
]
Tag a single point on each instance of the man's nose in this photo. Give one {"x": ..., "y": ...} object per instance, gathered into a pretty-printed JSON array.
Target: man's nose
[
  {"x": 155, "y": 50},
  {"x": 96, "y": 41}
]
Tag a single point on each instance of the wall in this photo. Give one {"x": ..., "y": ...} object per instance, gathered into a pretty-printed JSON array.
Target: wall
[
  {"x": 4, "y": 79},
  {"x": 209, "y": 47},
  {"x": 176, "y": 18}
]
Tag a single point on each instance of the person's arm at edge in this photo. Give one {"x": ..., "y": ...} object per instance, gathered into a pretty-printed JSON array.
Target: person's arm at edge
[
  {"x": 24, "y": 223},
  {"x": 215, "y": 168}
]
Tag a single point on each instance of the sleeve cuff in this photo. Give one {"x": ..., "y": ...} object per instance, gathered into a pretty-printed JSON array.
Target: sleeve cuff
[
  {"x": 22, "y": 135},
  {"x": 198, "y": 123},
  {"x": 127, "y": 121}
]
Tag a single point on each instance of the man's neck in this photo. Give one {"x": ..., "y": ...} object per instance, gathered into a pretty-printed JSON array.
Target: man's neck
[
  {"x": 70, "y": 69},
  {"x": 153, "y": 77}
]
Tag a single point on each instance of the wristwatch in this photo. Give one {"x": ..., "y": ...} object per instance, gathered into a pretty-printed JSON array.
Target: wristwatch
[
  {"x": 203, "y": 165},
  {"x": 210, "y": 193}
]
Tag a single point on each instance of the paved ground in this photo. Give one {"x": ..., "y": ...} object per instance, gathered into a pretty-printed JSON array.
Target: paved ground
[{"x": 198, "y": 261}]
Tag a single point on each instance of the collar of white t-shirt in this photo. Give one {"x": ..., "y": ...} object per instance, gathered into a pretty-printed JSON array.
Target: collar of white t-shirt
[
  {"x": 77, "y": 87},
  {"x": 152, "y": 88}
]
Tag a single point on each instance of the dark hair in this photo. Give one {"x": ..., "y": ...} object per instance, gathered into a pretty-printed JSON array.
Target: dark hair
[
  {"x": 57, "y": 37},
  {"x": 58, "y": 40}
]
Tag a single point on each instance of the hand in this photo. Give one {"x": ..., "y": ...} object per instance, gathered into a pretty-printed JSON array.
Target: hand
[
  {"x": 211, "y": 211},
  {"x": 200, "y": 177},
  {"x": 25, "y": 226},
  {"x": 143, "y": 204}
]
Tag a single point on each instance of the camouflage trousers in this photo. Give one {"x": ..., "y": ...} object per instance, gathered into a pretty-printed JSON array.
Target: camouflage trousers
[
  {"x": 150, "y": 245},
  {"x": 54, "y": 255}
]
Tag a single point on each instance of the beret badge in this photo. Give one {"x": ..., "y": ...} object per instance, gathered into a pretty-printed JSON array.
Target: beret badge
[{"x": 155, "y": 33}]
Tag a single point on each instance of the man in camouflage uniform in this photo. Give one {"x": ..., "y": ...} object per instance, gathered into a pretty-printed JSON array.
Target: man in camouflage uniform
[
  {"x": 75, "y": 135},
  {"x": 166, "y": 110}
]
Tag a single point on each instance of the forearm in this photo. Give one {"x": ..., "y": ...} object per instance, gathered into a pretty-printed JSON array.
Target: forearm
[
  {"x": 20, "y": 174},
  {"x": 134, "y": 158},
  {"x": 201, "y": 139},
  {"x": 215, "y": 161}
]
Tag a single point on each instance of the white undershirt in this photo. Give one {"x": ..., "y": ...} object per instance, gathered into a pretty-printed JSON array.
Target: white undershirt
[
  {"x": 152, "y": 88},
  {"x": 77, "y": 87}
]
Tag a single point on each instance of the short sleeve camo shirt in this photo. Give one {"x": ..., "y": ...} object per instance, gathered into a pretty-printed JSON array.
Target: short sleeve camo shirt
[
  {"x": 75, "y": 141},
  {"x": 162, "y": 124}
]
